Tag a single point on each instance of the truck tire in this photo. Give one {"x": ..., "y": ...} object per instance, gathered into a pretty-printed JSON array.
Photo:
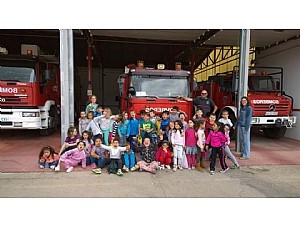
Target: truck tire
[
  {"x": 274, "y": 133},
  {"x": 52, "y": 122}
]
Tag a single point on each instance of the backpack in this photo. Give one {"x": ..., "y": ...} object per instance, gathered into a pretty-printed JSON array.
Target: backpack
[{"x": 112, "y": 167}]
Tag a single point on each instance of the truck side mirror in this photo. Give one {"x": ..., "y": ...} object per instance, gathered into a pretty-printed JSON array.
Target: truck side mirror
[{"x": 131, "y": 91}]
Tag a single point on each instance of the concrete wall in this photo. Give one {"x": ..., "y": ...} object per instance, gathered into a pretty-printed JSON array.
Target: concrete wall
[
  {"x": 104, "y": 84},
  {"x": 286, "y": 55}
]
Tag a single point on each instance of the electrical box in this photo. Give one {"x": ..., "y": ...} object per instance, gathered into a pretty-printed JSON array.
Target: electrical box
[{"x": 27, "y": 49}]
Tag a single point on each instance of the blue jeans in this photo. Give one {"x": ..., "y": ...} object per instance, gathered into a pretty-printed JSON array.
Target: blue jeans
[
  {"x": 129, "y": 160},
  {"x": 105, "y": 136},
  {"x": 245, "y": 142},
  {"x": 98, "y": 161},
  {"x": 122, "y": 140},
  {"x": 48, "y": 164}
]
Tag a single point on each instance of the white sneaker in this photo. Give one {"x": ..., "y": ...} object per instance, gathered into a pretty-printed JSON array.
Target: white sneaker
[
  {"x": 57, "y": 168},
  {"x": 174, "y": 169},
  {"x": 168, "y": 167},
  {"x": 224, "y": 171},
  {"x": 180, "y": 167},
  {"x": 193, "y": 167},
  {"x": 69, "y": 169},
  {"x": 212, "y": 172},
  {"x": 42, "y": 167},
  {"x": 161, "y": 167},
  {"x": 52, "y": 167}
]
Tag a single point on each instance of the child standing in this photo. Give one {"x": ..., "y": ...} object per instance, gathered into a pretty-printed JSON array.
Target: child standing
[
  {"x": 48, "y": 158},
  {"x": 83, "y": 122},
  {"x": 99, "y": 111},
  {"x": 216, "y": 139},
  {"x": 182, "y": 118},
  {"x": 200, "y": 143},
  {"x": 70, "y": 141},
  {"x": 191, "y": 144},
  {"x": 146, "y": 127},
  {"x": 164, "y": 125},
  {"x": 105, "y": 122},
  {"x": 132, "y": 129},
  {"x": 178, "y": 142},
  {"x": 163, "y": 155},
  {"x": 97, "y": 154},
  {"x": 94, "y": 127},
  {"x": 92, "y": 106},
  {"x": 72, "y": 158},
  {"x": 129, "y": 158},
  {"x": 227, "y": 149},
  {"x": 122, "y": 129},
  {"x": 115, "y": 126}
]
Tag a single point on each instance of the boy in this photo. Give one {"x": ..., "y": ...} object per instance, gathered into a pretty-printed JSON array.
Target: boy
[
  {"x": 129, "y": 159},
  {"x": 97, "y": 155},
  {"x": 146, "y": 127},
  {"x": 163, "y": 125}
]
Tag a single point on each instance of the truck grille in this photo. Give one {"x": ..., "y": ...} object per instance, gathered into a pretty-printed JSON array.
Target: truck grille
[{"x": 9, "y": 123}]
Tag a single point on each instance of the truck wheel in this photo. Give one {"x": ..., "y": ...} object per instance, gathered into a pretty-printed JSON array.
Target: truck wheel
[
  {"x": 274, "y": 133},
  {"x": 52, "y": 123}
]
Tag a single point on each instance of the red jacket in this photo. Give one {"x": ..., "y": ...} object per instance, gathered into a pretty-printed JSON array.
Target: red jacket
[{"x": 161, "y": 153}]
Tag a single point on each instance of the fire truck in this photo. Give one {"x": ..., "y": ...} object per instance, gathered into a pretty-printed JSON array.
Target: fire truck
[
  {"x": 146, "y": 88},
  {"x": 30, "y": 91},
  {"x": 272, "y": 107}
]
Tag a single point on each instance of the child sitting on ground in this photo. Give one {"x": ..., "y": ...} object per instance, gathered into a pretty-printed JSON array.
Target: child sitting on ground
[
  {"x": 163, "y": 155},
  {"x": 72, "y": 158},
  {"x": 97, "y": 154},
  {"x": 129, "y": 159},
  {"x": 48, "y": 158}
]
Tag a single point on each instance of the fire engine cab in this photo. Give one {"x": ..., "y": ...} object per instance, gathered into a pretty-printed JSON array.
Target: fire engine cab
[
  {"x": 145, "y": 88},
  {"x": 272, "y": 108},
  {"x": 30, "y": 91}
]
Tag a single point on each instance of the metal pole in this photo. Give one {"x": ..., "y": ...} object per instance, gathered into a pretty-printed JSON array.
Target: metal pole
[
  {"x": 192, "y": 73},
  {"x": 71, "y": 76},
  {"x": 89, "y": 59},
  {"x": 243, "y": 73},
  {"x": 64, "y": 84}
]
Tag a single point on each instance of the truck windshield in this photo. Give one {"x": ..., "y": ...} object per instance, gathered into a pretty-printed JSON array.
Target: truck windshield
[
  {"x": 18, "y": 74},
  {"x": 263, "y": 83},
  {"x": 160, "y": 86}
]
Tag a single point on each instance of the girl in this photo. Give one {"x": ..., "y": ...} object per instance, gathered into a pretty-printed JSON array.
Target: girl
[
  {"x": 129, "y": 158},
  {"x": 94, "y": 127},
  {"x": 70, "y": 141},
  {"x": 178, "y": 142},
  {"x": 83, "y": 122},
  {"x": 200, "y": 144},
  {"x": 191, "y": 144},
  {"x": 163, "y": 155},
  {"x": 227, "y": 149},
  {"x": 88, "y": 146},
  {"x": 216, "y": 139},
  {"x": 97, "y": 155},
  {"x": 122, "y": 129},
  {"x": 72, "y": 158},
  {"x": 170, "y": 129},
  {"x": 115, "y": 126},
  {"x": 92, "y": 106},
  {"x": 105, "y": 122},
  {"x": 48, "y": 158}
]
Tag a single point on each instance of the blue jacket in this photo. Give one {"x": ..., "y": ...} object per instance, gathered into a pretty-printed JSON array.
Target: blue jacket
[
  {"x": 245, "y": 117},
  {"x": 133, "y": 127}
]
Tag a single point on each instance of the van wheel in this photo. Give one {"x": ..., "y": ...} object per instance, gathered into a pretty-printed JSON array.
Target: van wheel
[
  {"x": 52, "y": 123},
  {"x": 274, "y": 133}
]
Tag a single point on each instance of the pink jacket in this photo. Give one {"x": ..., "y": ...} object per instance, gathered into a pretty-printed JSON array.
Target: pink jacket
[
  {"x": 75, "y": 156},
  {"x": 216, "y": 139}
]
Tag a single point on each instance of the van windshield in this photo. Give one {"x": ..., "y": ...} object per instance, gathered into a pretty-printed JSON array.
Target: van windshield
[
  {"x": 18, "y": 74},
  {"x": 263, "y": 83},
  {"x": 160, "y": 86}
]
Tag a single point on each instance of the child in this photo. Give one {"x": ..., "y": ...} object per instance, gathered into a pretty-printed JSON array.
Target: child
[
  {"x": 170, "y": 130},
  {"x": 70, "y": 141},
  {"x": 174, "y": 114},
  {"x": 114, "y": 155},
  {"x": 72, "y": 158},
  {"x": 182, "y": 118},
  {"x": 146, "y": 127},
  {"x": 94, "y": 127},
  {"x": 88, "y": 146},
  {"x": 105, "y": 122},
  {"x": 97, "y": 155},
  {"x": 132, "y": 129},
  {"x": 99, "y": 111},
  {"x": 216, "y": 139},
  {"x": 199, "y": 115},
  {"x": 191, "y": 144},
  {"x": 129, "y": 158},
  {"x": 48, "y": 158},
  {"x": 164, "y": 125},
  {"x": 154, "y": 132},
  {"x": 148, "y": 152},
  {"x": 208, "y": 127},
  {"x": 163, "y": 155},
  {"x": 200, "y": 143},
  {"x": 178, "y": 143},
  {"x": 82, "y": 122},
  {"x": 227, "y": 149},
  {"x": 122, "y": 129},
  {"x": 225, "y": 119},
  {"x": 92, "y": 106},
  {"x": 115, "y": 126}
]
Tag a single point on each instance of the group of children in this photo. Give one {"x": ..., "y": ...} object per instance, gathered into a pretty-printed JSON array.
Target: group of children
[{"x": 148, "y": 144}]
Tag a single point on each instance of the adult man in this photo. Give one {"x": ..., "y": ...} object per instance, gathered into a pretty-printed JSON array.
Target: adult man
[{"x": 206, "y": 104}]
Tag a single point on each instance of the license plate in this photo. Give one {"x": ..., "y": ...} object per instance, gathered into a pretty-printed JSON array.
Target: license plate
[
  {"x": 4, "y": 119},
  {"x": 271, "y": 113}
]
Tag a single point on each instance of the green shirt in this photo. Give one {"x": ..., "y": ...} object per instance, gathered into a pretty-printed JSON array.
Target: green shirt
[{"x": 146, "y": 125}]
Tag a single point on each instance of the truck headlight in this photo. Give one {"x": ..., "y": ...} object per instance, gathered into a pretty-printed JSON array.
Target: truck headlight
[
  {"x": 255, "y": 120},
  {"x": 30, "y": 114}
]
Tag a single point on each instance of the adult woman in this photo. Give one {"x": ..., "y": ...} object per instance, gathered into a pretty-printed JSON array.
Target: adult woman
[{"x": 244, "y": 124}]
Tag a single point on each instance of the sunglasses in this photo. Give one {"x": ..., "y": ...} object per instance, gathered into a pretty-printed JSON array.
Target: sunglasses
[{"x": 203, "y": 93}]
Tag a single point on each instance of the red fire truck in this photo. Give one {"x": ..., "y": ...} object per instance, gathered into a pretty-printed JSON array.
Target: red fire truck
[
  {"x": 272, "y": 108},
  {"x": 144, "y": 88},
  {"x": 30, "y": 92}
]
